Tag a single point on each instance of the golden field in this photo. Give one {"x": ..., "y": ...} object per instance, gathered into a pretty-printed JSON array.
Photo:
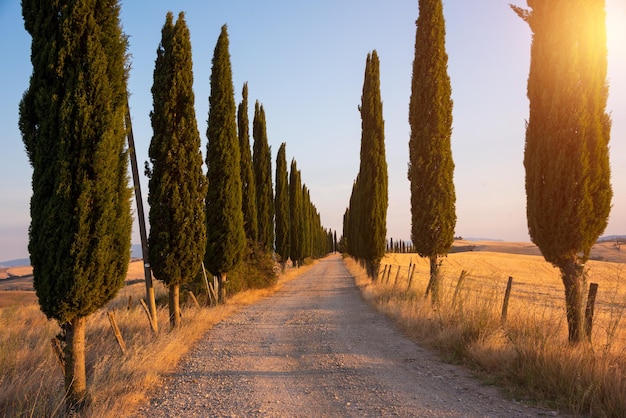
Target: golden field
[{"x": 528, "y": 356}]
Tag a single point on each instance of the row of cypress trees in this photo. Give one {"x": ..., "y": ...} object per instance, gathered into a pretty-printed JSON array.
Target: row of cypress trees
[
  {"x": 236, "y": 197},
  {"x": 566, "y": 155},
  {"x": 72, "y": 120}
]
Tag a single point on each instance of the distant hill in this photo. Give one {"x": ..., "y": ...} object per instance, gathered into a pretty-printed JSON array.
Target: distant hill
[
  {"x": 15, "y": 263},
  {"x": 135, "y": 252},
  {"x": 612, "y": 238}
]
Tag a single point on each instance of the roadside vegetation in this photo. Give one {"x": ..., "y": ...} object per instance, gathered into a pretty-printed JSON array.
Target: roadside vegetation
[
  {"x": 31, "y": 382},
  {"x": 527, "y": 355}
]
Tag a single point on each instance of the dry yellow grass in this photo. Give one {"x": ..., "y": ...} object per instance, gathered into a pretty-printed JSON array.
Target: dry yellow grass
[
  {"x": 529, "y": 355},
  {"x": 31, "y": 382}
]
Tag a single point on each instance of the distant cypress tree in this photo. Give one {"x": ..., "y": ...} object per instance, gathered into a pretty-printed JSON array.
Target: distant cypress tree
[
  {"x": 249, "y": 206},
  {"x": 306, "y": 223},
  {"x": 262, "y": 163},
  {"x": 373, "y": 170},
  {"x": 296, "y": 217},
  {"x": 281, "y": 204},
  {"x": 72, "y": 124},
  {"x": 177, "y": 184},
  {"x": 431, "y": 167},
  {"x": 566, "y": 155},
  {"x": 225, "y": 233}
]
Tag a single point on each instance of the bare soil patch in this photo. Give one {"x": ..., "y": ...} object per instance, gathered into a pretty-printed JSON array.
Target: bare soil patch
[{"x": 315, "y": 348}]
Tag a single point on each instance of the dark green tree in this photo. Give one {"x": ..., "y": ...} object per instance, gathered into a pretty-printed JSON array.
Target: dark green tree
[
  {"x": 281, "y": 204},
  {"x": 72, "y": 125},
  {"x": 225, "y": 234},
  {"x": 296, "y": 251},
  {"x": 431, "y": 167},
  {"x": 249, "y": 207},
  {"x": 566, "y": 156},
  {"x": 177, "y": 184},
  {"x": 373, "y": 170},
  {"x": 262, "y": 163}
]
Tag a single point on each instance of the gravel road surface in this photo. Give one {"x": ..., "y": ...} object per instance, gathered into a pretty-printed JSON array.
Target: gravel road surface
[{"x": 316, "y": 349}]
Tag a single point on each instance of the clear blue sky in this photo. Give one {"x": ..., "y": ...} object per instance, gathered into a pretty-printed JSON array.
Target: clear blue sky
[{"x": 304, "y": 61}]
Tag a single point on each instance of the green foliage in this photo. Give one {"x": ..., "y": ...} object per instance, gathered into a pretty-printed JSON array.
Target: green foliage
[
  {"x": 431, "y": 167},
  {"x": 72, "y": 124},
  {"x": 296, "y": 221},
  {"x": 566, "y": 155},
  {"x": 257, "y": 270},
  {"x": 225, "y": 233},
  {"x": 250, "y": 221},
  {"x": 262, "y": 163},
  {"x": 281, "y": 204},
  {"x": 177, "y": 184},
  {"x": 366, "y": 224}
]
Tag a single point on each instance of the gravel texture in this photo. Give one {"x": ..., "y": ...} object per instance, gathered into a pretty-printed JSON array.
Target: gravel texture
[{"x": 316, "y": 349}]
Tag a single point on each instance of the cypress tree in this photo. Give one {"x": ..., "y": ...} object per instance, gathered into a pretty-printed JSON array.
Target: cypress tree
[
  {"x": 281, "y": 204},
  {"x": 373, "y": 169},
  {"x": 250, "y": 221},
  {"x": 566, "y": 156},
  {"x": 72, "y": 125},
  {"x": 225, "y": 233},
  {"x": 177, "y": 184},
  {"x": 295, "y": 214},
  {"x": 431, "y": 167},
  {"x": 261, "y": 160},
  {"x": 306, "y": 223}
]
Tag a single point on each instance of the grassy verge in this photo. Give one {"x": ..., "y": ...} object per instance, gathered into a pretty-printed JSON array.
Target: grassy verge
[
  {"x": 527, "y": 356},
  {"x": 31, "y": 380}
]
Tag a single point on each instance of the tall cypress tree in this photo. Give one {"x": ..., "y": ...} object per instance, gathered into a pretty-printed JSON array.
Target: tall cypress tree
[
  {"x": 281, "y": 204},
  {"x": 250, "y": 221},
  {"x": 431, "y": 166},
  {"x": 177, "y": 184},
  {"x": 225, "y": 233},
  {"x": 262, "y": 162},
  {"x": 566, "y": 156},
  {"x": 72, "y": 124},
  {"x": 373, "y": 169},
  {"x": 295, "y": 215}
]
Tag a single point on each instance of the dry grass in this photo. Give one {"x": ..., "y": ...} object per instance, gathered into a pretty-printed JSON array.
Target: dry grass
[
  {"x": 529, "y": 355},
  {"x": 31, "y": 382}
]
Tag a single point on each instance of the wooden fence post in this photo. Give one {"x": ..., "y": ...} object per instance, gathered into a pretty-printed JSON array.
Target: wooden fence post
[
  {"x": 116, "y": 331},
  {"x": 412, "y": 272},
  {"x": 388, "y": 273},
  {"x": 457, "y": 289},
  {"x": 507, "y": 295},
  {"x": 145, "y": 308},
  {"x": 591, "y": 302},
  {"x": 193, "y": 298},
  {"x": 383, "y": 272},
  {"x": 58, "y": 353},
  {"x": 397, "y": 275}
]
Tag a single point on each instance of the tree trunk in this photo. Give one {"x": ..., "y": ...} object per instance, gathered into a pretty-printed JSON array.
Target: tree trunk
[
  {"x": 572, "y": 274},
  {"x": 74, "y": 353},
  {"x": 221, "y": 281},
  {"x": 174, "y": 305},
  {"x": 433, "y": 284}
]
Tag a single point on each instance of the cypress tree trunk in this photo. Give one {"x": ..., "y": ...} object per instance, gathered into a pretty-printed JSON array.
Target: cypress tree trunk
[
  {"x": 572, "y": 275},
  {"x": 434, "y": 285},
  {"x": 74, "y": 353},
  {"x": 221, "y": 281},
  {"x": 174, "y": 305}
]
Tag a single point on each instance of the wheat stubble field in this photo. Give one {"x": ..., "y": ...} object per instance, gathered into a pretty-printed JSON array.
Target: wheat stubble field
[{"x": 527, "y": 357}]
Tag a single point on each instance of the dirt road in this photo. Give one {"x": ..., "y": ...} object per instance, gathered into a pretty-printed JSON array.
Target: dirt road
[{"x": 315, "y": 349}]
